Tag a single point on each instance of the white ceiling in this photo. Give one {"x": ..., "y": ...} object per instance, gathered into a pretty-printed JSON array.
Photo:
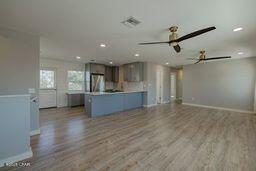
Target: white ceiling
[{"x": 70, "y": 28}]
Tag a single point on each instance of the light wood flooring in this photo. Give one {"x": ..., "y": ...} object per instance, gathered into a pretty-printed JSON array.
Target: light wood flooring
[{"x": 165, "y": 137}]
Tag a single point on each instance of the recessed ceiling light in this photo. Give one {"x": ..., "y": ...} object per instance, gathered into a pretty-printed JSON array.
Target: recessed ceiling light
[
  {"x": 240, "y": 53},
  {"x": 78, "y": 57},
  {"x": 102, "y": 45},
  {"x": 137, "y": 55},
  {"x": 167, "y": 63},
  {"x": 111, "y": 62},
  {"x": 238, "y": 29}
]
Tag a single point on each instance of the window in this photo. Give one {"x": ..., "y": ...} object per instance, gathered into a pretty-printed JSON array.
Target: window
[
  {"x": 47, "y": 79},
  {"x": 75, "y": 80}
]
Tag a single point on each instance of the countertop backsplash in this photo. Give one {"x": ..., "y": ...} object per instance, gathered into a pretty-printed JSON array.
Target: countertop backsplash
[
  {"x": 126, "y": 86},
  {"x": 109, "y": 85},
  {"x": 133, "y": 86}
]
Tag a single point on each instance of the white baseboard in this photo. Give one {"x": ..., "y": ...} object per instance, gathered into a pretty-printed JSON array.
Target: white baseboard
[
  {"x": 17, "y": 158},
  {"x": 220, "y": 108},
  {"x": 35, "y": 132},
  {"x": 151, "y": 105},
  {"x": 165, "y": 102}
]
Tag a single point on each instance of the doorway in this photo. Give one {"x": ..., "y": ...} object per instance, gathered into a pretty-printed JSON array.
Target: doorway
[
  {"x": 173, "y": 86},
  {"x": 159, "y": 87},
  {"x": 47, "y": 92}
]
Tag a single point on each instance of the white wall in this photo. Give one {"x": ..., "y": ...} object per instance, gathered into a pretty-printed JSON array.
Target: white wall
[
  {"x": 227, "y": 84},
  {"x": 61, "y": 67},
  {"x": 150, "y": 71},
  {"x": 179, "y": 82},
  {"x": 19, "y": 62}
]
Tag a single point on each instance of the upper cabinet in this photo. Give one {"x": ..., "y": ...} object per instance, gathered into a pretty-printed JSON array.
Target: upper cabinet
[
  {"x": 115, "y": 74},
  {"x": 112, "y": 73},
  {"x": 133, "y": 72},
  {"x": 97, "y": 68},
  {"x": 108, "y": 73}
]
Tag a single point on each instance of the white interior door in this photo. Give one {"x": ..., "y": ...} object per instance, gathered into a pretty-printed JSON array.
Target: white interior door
[
  {"x": 159, "y": 87},
  {"x": 173, "y": 86},
  {"x": 47, "y": 92}
]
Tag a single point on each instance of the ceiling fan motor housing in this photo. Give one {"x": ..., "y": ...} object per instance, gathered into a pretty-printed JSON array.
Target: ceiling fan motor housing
[
  {"x": 202, "y": 54},
  {"x": 173, "y": 36}
]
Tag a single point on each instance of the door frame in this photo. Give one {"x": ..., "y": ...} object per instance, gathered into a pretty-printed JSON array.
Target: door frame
[
  {"x": 55, "y": 83},
  {"x": 159, "y": 87},
  {"x": 173, "y": 98}
]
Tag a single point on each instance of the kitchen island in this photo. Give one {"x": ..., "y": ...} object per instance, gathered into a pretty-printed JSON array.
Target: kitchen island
[{"x": 103, "y": 103}]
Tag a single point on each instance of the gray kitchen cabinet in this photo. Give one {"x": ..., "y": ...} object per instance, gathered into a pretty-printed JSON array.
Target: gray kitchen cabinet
[
  {"x": 75, "y": 99},
  {"x": 115, "y": 73},
  {"x": 108, "y": 73},
  {"x": 97, "y": 68},
  {"x": 127, "y": 72},
  {"x": 133, "y": 72}
]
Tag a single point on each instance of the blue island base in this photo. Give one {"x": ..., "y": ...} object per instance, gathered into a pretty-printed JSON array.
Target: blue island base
[{"x": 107, "y": 103}]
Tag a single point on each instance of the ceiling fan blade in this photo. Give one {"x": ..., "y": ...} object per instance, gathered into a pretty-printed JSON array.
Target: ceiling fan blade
[
  {"x": 196, "y": 33},
  {"x": 151, "y": 43},
  {"x": 192, "y": 58},
  {"x": 177, "y": 48},
  {"x": 214, "y": 58},
  {"x": 198, "y": 61}
]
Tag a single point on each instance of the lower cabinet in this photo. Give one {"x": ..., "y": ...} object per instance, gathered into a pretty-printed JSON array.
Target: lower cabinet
[
  {"x": 99, "y": 105},
  {"x": 75, "y": 100},
  {"x": 133, "y": 100}
]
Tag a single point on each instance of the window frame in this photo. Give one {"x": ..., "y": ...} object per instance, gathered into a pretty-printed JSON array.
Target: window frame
[
  {"x": 55, "y": 80},
  {"x": 83, "y": 84}
]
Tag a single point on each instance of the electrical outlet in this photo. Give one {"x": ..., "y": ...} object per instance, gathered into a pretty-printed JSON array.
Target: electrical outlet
[{"x": 192, "y": 98}]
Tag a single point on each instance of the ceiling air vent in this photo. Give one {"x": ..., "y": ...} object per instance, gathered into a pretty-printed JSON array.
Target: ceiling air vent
[{"x": 131, "y": 22}]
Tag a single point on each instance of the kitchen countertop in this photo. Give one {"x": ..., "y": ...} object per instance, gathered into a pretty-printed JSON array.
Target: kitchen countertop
[
  {"x": 108, "y": 93},
  {"x": 75, "y": 92}
]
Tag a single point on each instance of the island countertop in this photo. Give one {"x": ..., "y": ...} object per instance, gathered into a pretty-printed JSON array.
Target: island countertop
[{"x": 110, "y": 93}]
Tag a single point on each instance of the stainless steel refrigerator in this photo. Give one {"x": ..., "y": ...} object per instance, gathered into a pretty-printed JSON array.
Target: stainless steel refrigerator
[{"x": 97, "y": 83}]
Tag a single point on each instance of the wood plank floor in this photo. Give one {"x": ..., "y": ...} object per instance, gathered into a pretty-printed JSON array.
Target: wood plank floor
[{"x": 166, "y": 137}]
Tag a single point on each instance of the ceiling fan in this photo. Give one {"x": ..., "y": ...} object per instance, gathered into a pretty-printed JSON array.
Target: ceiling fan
[
  {"x": 174, "y": 40},
  {"x": 202, "y": 57}
]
